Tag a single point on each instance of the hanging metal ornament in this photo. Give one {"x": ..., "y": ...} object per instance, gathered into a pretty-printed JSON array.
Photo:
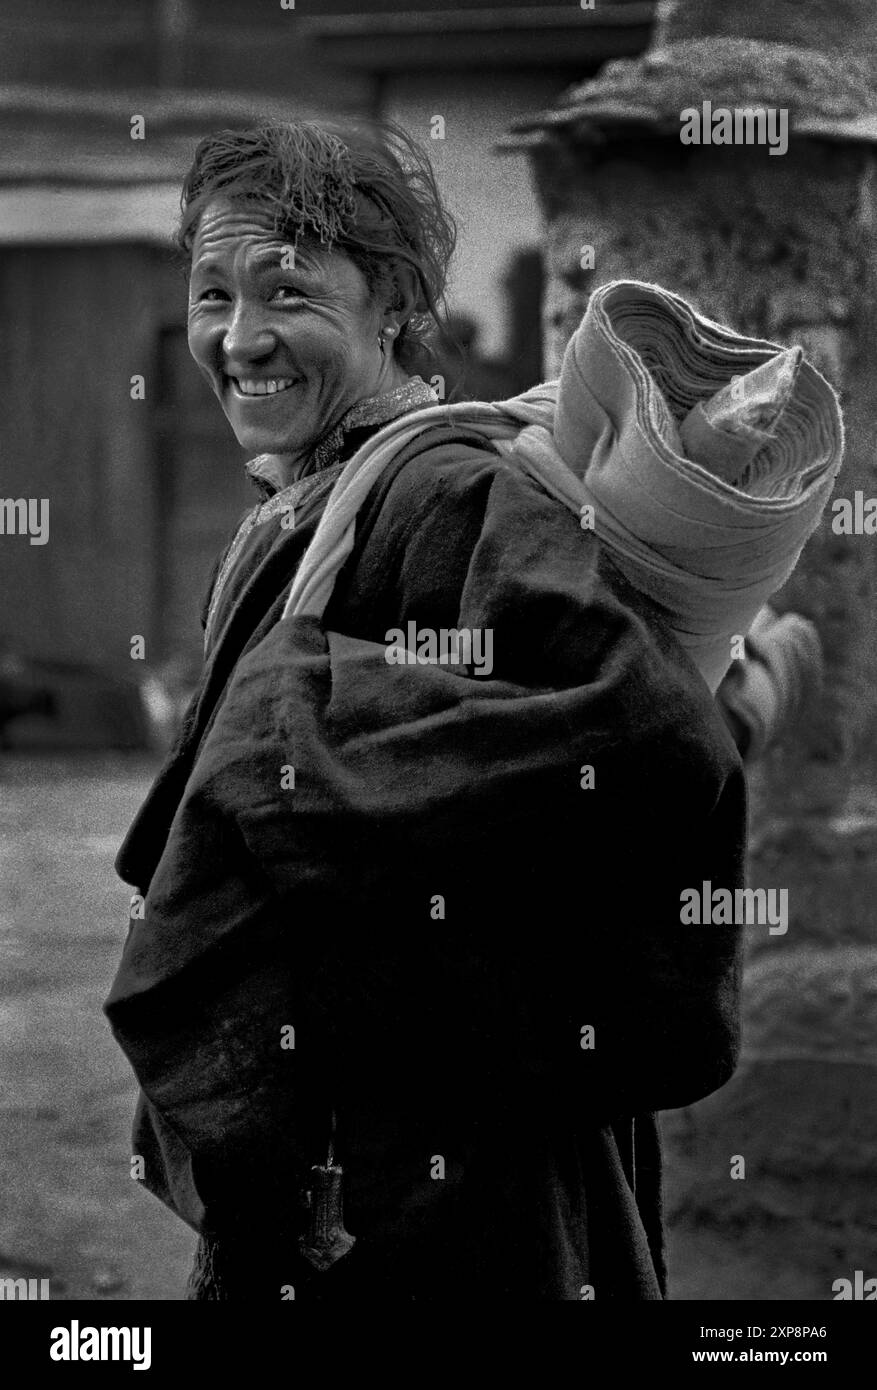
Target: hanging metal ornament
[{"x": 326, "y": 1240}]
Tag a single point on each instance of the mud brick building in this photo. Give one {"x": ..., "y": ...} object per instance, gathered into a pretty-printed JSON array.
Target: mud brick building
[{"x": 786, "y": 248}]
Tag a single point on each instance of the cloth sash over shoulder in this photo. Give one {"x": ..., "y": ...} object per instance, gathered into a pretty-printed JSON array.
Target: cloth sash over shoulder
[{"x": 706, "y": 458}]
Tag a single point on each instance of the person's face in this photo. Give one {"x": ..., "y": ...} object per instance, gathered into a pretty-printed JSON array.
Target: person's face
[{"x": 287, "y": 351}]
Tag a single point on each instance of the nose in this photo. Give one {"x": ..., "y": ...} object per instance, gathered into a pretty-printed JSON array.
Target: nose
[{"x": 247, "y": 337}]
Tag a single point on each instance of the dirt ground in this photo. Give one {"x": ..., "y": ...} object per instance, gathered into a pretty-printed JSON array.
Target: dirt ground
[{"x": 69, "y": 1210}]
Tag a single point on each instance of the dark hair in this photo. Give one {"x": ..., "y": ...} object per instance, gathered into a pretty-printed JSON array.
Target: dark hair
[{"x": 365, "y": 187}]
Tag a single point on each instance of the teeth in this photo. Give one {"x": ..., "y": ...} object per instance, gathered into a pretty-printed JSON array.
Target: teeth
[{"x": 264, "y": 388}]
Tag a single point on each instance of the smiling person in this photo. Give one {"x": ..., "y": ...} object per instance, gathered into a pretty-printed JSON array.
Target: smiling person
[
  {"x": 410, "y": 981},
  {"x": 317, "y": 336},
  {"x": 286, "y": 333}
]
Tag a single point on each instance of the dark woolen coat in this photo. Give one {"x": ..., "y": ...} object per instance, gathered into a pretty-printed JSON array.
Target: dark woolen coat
[{"x": 438, "y": 909}]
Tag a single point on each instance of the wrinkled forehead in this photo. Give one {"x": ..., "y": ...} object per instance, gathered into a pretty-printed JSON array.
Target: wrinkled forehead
[{"x": 229, "y": 231}]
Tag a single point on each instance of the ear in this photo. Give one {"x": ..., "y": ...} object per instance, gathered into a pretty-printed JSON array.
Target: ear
[{"x": 403, "y": 294}]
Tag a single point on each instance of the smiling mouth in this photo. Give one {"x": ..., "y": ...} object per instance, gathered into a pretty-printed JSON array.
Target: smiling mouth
[{"x": 270, "y": 386}]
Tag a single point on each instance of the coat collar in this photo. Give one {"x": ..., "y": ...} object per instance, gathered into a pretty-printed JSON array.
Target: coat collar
[{"x": 265, "y": 470}]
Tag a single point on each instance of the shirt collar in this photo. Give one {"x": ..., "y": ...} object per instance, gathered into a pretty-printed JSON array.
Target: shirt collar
[{"x": 265, "y": 471}]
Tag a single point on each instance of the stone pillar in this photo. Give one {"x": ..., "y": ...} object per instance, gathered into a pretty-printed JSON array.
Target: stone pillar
[{"x": 784, "y": 248}]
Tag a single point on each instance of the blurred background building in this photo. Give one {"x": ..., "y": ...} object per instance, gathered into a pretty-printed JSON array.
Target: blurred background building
[
  {"x": 145, "y": 482},
  {"x": 785, "y": 249}
]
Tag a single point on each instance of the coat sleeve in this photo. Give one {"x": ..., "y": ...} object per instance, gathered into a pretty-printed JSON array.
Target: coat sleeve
[{"x": 411, "y": 867}]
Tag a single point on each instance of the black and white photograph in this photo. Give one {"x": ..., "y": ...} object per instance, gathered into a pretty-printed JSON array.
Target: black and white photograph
[{"x": 438, "y": 667}]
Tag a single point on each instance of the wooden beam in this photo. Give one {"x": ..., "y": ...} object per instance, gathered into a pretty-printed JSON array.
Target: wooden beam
[{"x": 559, "y": 35}]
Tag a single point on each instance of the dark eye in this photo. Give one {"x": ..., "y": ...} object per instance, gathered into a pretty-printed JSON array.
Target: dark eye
[
  {"x": 288, "y": 292},
  {"x": 212, "y": 294}
]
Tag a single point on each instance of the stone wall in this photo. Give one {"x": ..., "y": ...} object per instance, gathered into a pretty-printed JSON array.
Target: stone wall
[{"x": 782, "y": 248}]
